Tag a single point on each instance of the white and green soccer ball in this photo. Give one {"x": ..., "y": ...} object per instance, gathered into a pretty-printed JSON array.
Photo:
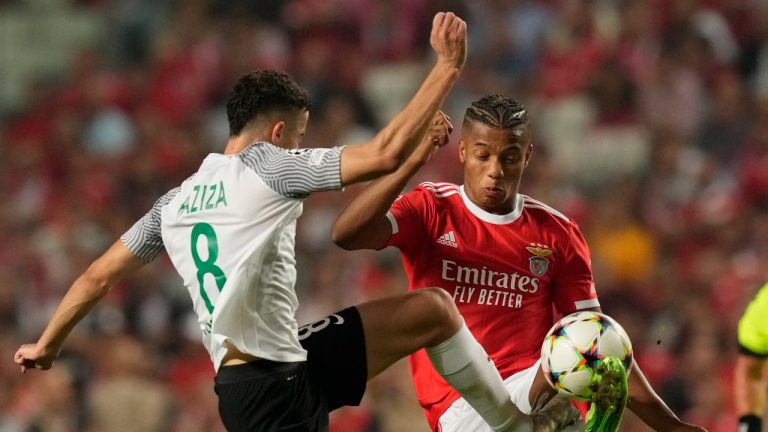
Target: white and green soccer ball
[{"x": 573, "y": 346}]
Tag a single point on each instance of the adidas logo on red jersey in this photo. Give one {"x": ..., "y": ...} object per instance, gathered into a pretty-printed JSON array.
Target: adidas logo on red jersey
[{"x": 448, "y": 239}]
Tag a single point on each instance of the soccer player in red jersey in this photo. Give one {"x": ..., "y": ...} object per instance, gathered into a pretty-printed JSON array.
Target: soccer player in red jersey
[{"x": 505, "y": 258}]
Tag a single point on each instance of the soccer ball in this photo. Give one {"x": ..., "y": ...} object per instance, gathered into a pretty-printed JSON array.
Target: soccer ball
[{"x": 573, "y": 346}]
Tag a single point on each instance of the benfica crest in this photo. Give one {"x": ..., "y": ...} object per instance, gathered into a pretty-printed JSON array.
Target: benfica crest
[{"x": 538, "y": 263}]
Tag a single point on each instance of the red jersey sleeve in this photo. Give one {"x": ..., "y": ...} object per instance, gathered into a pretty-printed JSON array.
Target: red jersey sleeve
[
  {"x": 407, "y": 215},
  {"x": 574, "y": 288}
]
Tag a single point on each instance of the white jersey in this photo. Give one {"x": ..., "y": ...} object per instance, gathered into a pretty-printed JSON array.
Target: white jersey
[{"x": 229, "y": 230}]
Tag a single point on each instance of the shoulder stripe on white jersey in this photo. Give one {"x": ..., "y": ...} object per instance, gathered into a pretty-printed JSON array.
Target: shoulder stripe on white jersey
[
  {"x": 295, "y": 174},
  {"x": 532, "y": 203},
  {"x": 144, "y": 238}
]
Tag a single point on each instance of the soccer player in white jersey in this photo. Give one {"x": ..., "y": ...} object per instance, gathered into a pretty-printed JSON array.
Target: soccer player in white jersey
[
  {"x": 504, "y": 257},
  {"x": 229, "y": 231}
]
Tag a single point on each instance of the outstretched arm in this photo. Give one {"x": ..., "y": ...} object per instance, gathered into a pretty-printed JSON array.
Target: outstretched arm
[
  {"x": 81, "y": 297},
  {"x": 363, "y": 223},
  {"x": 391, "y": 147},
  {"x": 647, "y": 405}
]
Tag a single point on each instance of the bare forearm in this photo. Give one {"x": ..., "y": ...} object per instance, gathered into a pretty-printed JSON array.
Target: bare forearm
[
  {"x": 647, "y": 405},
  {"x": 82, "y": 296},
  {"x": 390, "y": 148},
  {"x": 362, "y": 224},
  {"x": 86, "y": 291},
  {"x": 401, "y": 136}
]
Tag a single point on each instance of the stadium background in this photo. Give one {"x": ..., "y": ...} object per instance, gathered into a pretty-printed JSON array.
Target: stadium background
[{"x": 651, "y": 130}]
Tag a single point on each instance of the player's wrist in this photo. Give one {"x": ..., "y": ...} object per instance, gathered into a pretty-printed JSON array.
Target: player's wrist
[
  {"x": 447, "y": 68},
  {"x": 48, "y": 348},
  {"x": 416, "y": 161},
  {"x": 750, "y": 423}
]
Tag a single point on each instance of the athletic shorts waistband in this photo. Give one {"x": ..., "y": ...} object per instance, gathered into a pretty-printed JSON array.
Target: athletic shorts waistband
[{"x": 253, "y": 370}]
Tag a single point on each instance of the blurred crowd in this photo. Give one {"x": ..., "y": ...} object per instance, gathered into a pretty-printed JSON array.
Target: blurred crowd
[{"x": 651, "y": 130}]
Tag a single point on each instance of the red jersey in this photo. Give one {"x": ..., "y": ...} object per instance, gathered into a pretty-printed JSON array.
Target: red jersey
[{"x": 504, "y": 272}]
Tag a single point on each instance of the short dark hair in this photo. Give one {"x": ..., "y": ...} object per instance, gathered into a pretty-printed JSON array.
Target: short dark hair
[
  {"x": 497, "y": 111},
  {"x": 263, "y": 92}
]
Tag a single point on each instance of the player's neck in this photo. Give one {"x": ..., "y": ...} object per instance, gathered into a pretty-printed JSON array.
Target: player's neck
[{"x": 238, "y": 143}]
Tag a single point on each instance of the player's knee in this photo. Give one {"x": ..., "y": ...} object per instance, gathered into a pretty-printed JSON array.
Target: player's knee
[{"x": 443, "y": 316}]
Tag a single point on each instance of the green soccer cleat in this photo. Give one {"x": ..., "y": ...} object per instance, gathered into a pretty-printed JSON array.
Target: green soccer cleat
[{"x": 609, "y": 396}]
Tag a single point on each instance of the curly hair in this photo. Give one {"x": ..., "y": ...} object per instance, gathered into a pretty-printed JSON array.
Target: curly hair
[
  {"x": 497, "y": 111},
  {"x": 263, "y": 92}
]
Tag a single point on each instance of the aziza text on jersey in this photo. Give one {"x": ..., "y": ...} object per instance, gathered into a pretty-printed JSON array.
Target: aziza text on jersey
[{"x": 204, "y": 197}]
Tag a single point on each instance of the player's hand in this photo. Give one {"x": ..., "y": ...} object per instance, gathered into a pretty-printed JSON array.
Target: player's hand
[
  {"x": 449, "y": 39},
  {"x": 31, "y": 356},
  {"x": 439, "y": 132},
  {"x": 437, "y": 136}
]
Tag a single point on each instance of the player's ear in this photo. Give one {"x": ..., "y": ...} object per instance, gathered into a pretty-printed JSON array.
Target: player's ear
[
  {"x": 462, "y": 150},
  {"x": 528, "y": 152},
  {"x": 277, "y": 131}
]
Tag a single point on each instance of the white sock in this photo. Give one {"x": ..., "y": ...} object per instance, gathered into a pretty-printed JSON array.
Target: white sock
[{"x": 464, "y": 364}]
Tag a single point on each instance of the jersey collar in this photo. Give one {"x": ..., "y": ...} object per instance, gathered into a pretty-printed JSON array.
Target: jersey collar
[{"x": 490, "y": 217}]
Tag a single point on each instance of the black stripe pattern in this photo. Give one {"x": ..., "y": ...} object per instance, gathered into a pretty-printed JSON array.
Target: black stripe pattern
[
  {"x": 144, "y": 239},
  {"x": 295, "y": 173}
]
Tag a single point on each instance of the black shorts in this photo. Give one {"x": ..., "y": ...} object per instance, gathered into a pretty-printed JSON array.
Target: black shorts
[{"x": 273, "y": 396}]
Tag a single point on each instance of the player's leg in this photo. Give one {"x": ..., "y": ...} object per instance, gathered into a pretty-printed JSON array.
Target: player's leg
[
  {"x": 549, "y": 412},
  {"x": 461, "y": 417},
  {"x": 398, "y": 326},
  {"x": 356, "y": 344}
]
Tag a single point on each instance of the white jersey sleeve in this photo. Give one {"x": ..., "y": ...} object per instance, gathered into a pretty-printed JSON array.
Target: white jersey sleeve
[
  {"x": 144, "y": 238},
  {"x": 295, "y": 173}
]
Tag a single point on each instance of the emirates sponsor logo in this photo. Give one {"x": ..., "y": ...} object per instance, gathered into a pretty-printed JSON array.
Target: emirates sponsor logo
[
  {"x": 455, "y": 272},
  {"x": 448, "y": 239},
  {"x": 484, "y": 286}
]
